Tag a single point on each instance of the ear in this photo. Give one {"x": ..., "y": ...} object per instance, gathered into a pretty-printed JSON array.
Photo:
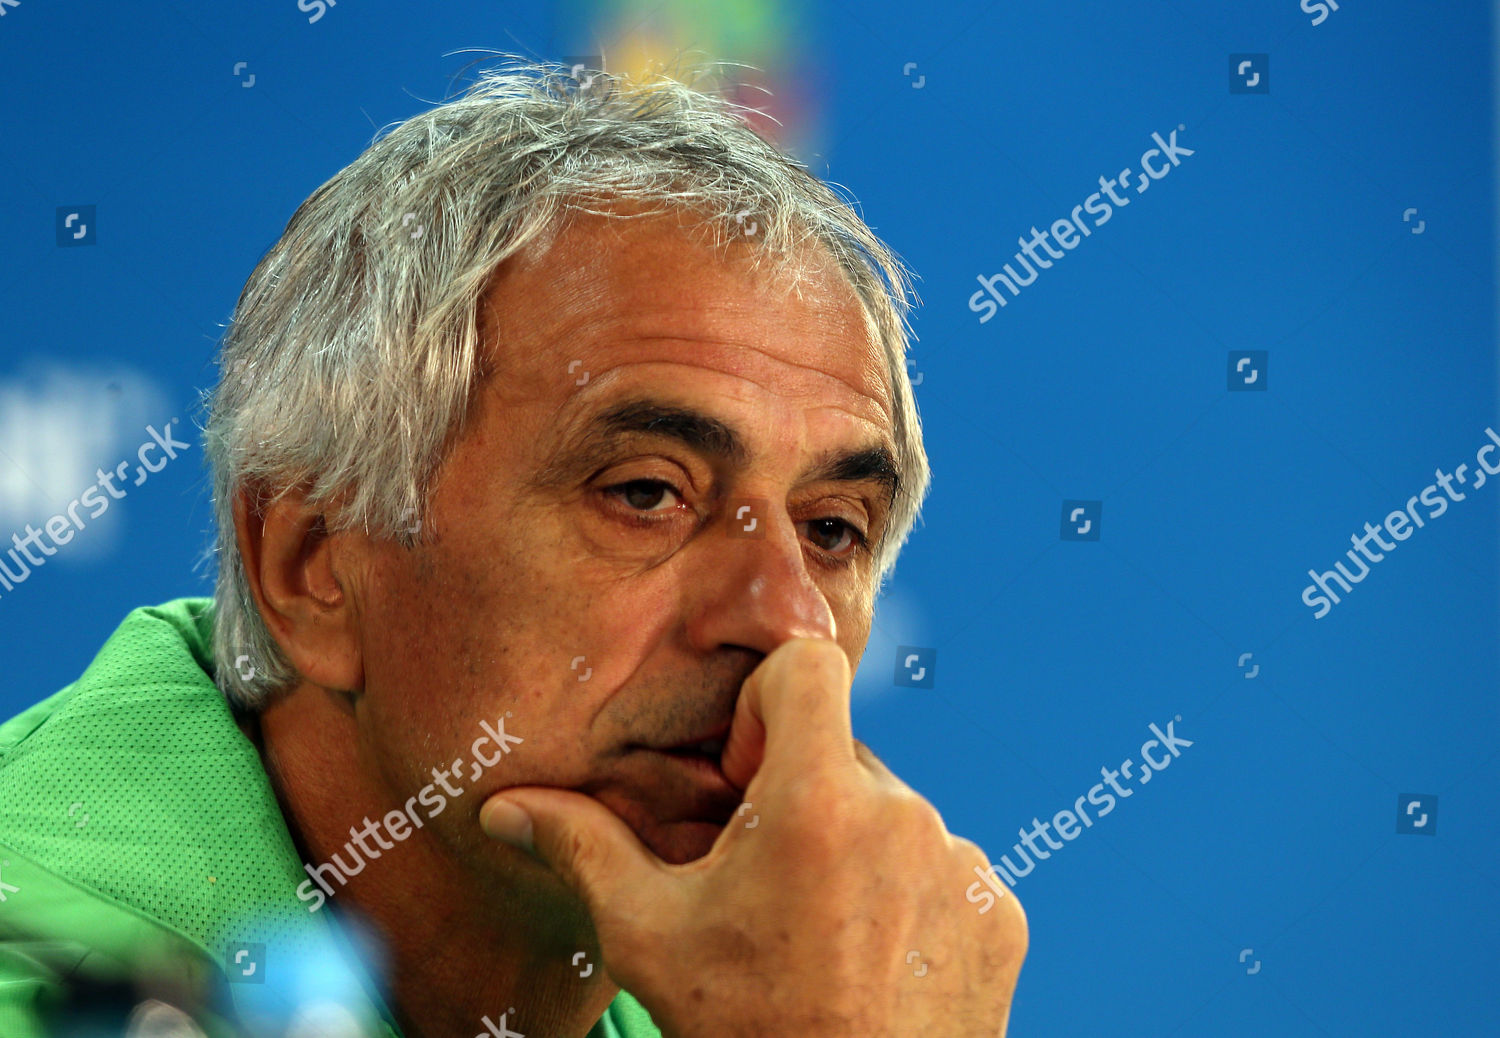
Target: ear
[{"x": 304, "y": 581}]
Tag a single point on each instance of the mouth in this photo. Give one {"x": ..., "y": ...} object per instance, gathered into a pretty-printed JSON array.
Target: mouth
[
  {"x": 700, "y": 763},
  {"x": 692, "y": 771},
  {"x": 703, "y": 767},
  {"x": 706, "y": 744},
  {"x": 677, "y": 800},
  {"x": 701, "y": 757},
  {"x": 707, "y": 748},
  {"x": 674, "y": 794}
]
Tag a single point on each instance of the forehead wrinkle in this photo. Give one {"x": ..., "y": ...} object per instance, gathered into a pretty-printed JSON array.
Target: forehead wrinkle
[
  {"x": 589, "y": 311},
  {"x": 881, "y": 399}
]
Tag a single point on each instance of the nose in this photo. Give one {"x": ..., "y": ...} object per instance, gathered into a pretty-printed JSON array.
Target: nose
[{"x": 756, "y": 592}]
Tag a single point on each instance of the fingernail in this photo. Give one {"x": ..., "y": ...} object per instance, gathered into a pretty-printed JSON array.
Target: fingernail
[{"x": 508, "y": 823}]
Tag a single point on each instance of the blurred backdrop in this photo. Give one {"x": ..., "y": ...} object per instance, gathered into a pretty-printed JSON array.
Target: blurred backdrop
[{"x": 1283, "y": 329}]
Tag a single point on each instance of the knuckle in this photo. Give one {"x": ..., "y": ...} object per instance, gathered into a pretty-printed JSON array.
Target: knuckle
[
  {"x": 1009, "y": 934},
  {"x": 1023, "y": 926},
  {"x": 968, "y": 852},
  {"x": 917, "y": 818}
]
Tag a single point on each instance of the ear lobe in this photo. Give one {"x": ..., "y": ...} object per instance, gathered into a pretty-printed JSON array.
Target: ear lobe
[{"x": 302, "y": 578}]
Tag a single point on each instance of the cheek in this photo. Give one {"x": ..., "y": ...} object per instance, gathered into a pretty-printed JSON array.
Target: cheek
[
  {"x": 629, "y": 622},
  {"x": 854, "y": 617},
  {"x": 457, "y": 633},
  {"x": 443, "y": 641}
]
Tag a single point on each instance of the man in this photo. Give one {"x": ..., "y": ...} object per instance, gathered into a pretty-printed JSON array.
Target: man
[{"x": 563, "y": 442}]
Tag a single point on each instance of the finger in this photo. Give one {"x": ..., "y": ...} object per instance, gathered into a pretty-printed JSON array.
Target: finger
[
  {"x": 594, "y": 852},
  {"x": 792, "y": 713}
]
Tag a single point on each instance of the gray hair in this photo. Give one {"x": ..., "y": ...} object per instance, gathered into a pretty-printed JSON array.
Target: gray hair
[{"x": 348, "y": 364}]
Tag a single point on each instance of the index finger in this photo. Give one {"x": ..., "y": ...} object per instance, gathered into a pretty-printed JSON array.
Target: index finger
[{"x": 793, "y": 712}]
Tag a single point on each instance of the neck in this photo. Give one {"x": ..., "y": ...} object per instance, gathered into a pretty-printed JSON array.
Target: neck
[{"x": 459, "y": 945}]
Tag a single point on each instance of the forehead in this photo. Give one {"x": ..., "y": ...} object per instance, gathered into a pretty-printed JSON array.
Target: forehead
[{"x": 600, "y": 293}]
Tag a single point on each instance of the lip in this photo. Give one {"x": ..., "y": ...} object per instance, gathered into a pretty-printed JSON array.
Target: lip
[
  {"x": 705, "y": 771},
  {"x": 721, "y": 733}
]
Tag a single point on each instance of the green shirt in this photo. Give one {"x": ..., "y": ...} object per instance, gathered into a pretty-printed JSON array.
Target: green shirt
[{"x": 139, "y": 832}]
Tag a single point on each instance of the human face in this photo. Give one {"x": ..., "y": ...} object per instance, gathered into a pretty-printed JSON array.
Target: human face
[{"x": 578, "y": 576}]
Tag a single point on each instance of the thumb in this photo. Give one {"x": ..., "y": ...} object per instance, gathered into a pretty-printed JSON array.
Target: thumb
[{"x": 585, "y": 843}]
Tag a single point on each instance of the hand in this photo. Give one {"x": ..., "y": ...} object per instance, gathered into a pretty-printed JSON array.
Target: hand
[{"x": 803, "y": 924}]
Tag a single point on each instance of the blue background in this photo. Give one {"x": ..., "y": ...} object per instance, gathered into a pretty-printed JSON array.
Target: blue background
[{"x": 1105, "y": 381}]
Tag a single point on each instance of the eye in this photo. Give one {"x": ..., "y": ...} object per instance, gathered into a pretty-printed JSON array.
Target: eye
[
  {"x": 644, "y": 495},
  {"x": 836, "y": 537}
]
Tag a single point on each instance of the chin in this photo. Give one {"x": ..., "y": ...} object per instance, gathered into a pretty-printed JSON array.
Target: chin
[{"x": 678, "y": 843}]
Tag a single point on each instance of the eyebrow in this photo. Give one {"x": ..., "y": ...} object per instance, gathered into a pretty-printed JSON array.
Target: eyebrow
[{"x": 716, "y": 439}]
